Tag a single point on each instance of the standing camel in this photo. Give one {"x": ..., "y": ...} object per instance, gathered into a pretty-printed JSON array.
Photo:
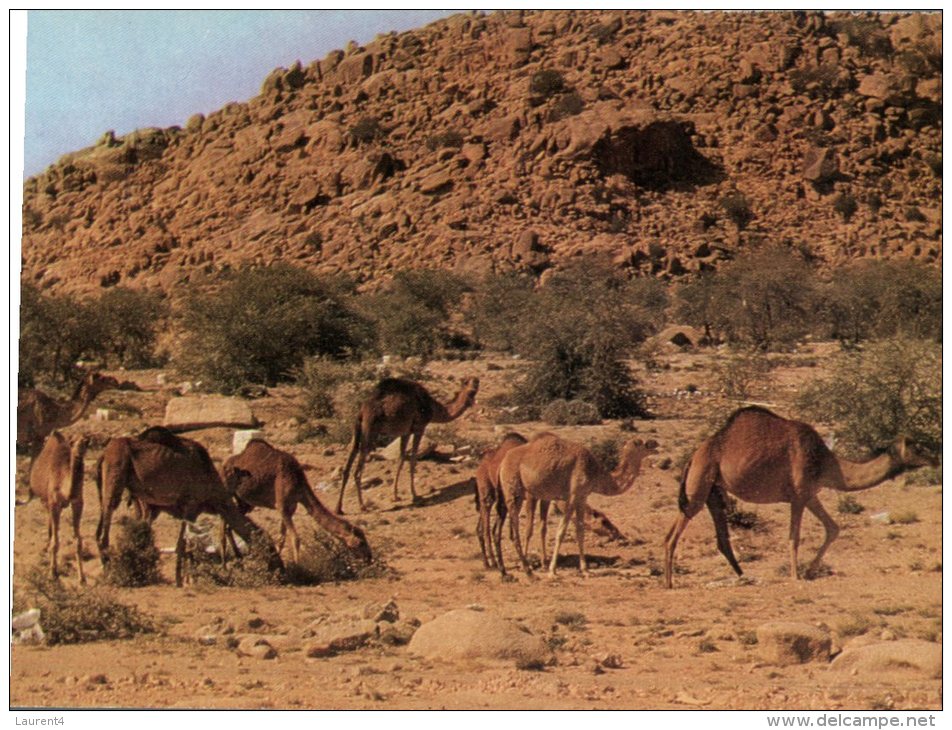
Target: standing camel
[
  {"x": 763, "y": 458},
  {"x": 263, "y": 476},
  {"x": 487, "y": 494},
  {"x": 168, "y": 473},
  {"x": 403, "y": 408},
  {"x": 38, "y": 414},
  {"x": 57, "y": 479},
  {"x": 553, "y": 469}
]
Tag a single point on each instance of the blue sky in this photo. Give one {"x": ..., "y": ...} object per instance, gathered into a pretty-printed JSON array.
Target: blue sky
[{"x": 91, "y": 71}]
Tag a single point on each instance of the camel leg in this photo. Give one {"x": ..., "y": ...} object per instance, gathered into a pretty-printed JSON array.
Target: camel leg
[
  {"x": 544, "y": 527},
  {"x": 77, "y": 513},
  {"x": 530, "y": 518},
  {"x": 359, "y": 475},
  {"x": 287, "y": 524},
  {"x": 396, "y": 476},
  {"x": 355, "y": 447},
  {"x": 180, "y": 554},
  {"x": 54, "y": 540},
  {"x": 514, "y": 508},
  {"x": 559, "y": 535},
  {"x": 832, "y": 530},
  {"x": 484, "y": 531},
  {"x": 497, "y": 534},
  {"x": 414, "y": 448},
  {"x": 718, "y": 510},
  {"x": 580, "y": 538},
  {"x": 696, "y": 487},
  {"x": 796, "y": 517}
]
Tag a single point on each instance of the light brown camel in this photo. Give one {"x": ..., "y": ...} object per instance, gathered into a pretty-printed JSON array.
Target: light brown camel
[
  {"x": 38, "y": 414},
  {"x": 263, "y": 476},
  {"x": 763, "y": 458},
  {"x": 403, "y": 408},
  {"x": 487, "y": 494},
  {"x": 553, "y": 469},
  {"x": 602, "y": 524},
  {"x": 168, "y": 473},
  {"x": 57, "y": 479}
]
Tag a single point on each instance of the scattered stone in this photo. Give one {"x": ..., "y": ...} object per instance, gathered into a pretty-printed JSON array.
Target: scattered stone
[
  {"x": 923, "y": 658},
  {"x": 256, "y": 647},
  {"x": 382, "y": 612},
  {"x": 468, "y": 634},
  {"x": 329, "y": 639},
  {"x": 788, "y": 642}
]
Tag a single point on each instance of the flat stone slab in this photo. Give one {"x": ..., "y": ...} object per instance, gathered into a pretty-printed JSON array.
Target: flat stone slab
[
  {"x": 469, "y": 634},
  {"x": 790, "y": 642},
  {"x": 208, "y": 409},
  {"x": 923, "y": 658}
]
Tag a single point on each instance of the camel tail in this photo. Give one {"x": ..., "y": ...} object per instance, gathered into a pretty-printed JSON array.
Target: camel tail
[
  {"x": 683, "y": 490},
  {"x": 98, "y": 478}
]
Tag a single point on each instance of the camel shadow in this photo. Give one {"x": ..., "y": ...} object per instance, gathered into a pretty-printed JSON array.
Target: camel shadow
[
  {"x": 570, "y": 561},
  {"x": 464, "y": 488}
]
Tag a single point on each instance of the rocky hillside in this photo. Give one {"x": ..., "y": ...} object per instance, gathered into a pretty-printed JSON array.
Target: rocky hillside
[{"x": 666, "y": 141}]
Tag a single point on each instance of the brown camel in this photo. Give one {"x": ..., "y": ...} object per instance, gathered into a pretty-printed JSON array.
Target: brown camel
[
  {"x": 403, "y": 408},
  {"x": 263, "y": 476},
  {"x": 763, "y": 458},
  {"x": 168, "y": 473},
  {"x": 553, "y": 469},
  {"x": 57, "y": 479},
  {"x": 487, "y": 494},
  {"x": 38, "y": 414}
]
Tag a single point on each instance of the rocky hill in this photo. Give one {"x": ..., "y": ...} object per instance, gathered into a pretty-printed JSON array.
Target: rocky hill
[{"x": 665, "y": 141}]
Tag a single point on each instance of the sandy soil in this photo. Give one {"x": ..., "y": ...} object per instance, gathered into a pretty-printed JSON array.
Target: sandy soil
[{"x": 688, "y": 648}]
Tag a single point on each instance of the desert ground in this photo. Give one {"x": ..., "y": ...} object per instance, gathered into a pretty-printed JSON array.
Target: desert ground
[{"x": 619, "y": 639}]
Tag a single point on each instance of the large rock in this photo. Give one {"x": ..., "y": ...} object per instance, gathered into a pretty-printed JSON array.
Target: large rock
[
  {"x": 891, "y": 88},
  {"x": 391, "y": 452},
  {"x": 208, "y": 409},
  {"x": 908, "y": 655},
  {"x": 820, "y": 164},
  {"x": 789, "y": 642},
  {"x": 330, "y": 639},
  {"x": 469, "y": 634}
]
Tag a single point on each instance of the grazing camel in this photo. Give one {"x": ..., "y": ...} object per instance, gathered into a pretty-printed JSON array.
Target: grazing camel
[
  {"x": 487, "y": 494},
  {"x": 554, "y": 469},
  {"x": 263, "y": 476},
  {"x": 168, "y": 473},
  {"x": 403, "y": 408},
  {"x": 57, "y": 479},
  {"x": 763, "y": 458},
  {"x": 38, "y": 414}
]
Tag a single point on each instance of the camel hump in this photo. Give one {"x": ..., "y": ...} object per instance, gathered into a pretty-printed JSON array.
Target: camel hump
[
  {"x": 162, "y": 436},
  {"x": 397, "y": 386}
]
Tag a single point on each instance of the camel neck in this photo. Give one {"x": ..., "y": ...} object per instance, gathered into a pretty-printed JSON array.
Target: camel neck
[
  {"x": 622, "y": 479},
  {"x": 444, "y": 413},
  {"x": 863, "y": 475}
]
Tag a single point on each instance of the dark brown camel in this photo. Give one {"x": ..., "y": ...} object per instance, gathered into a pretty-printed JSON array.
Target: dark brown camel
[
  {"x": 168, "y": 473},
  {"x": 263, "y": 476},
  {"x": 403, "y": 408},
  {"x": 763, "y": 458},
  {"x": 57, "y": 479}
]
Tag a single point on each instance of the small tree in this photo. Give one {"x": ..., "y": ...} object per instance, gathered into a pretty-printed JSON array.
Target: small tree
[
  {"x": 890, "y": 388},
  {"x": 130, "y": 321}
]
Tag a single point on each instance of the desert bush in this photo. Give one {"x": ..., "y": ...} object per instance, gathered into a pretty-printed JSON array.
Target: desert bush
[
  {"x": 737, "y": 208},
  {"x": 366, "y": 129},
  {"x": 134, "y": 559},
  {"x": 251, "y": 570},
  {"x": 72, "y": 616},
  {"x": 765, "y": 298},
  {"x": 547, "y": 82},
  {"x": 570, "y": 413},
  {"x": 889, "y": 388},
  {"x": 572, "y": 619},
  {"x": 882, "y": 299},
  {"x": 411, "y": 314},
  {"x": 325, "y": 560},
  {"x": 742, "y": 374},
  {"x": 846, "y": 205},
  {"x": 495, "y": 310},
  {"x": 129, "y": 321},
  {"x": 320, "y": 380},
  {"x": 848, "y": 505},
  {"x": 261, "y": 324}
]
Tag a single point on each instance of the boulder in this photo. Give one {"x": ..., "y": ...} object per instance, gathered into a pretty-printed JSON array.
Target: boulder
[
  {"x": 241, "y": 438},
  {"x": 391, "y": 452},
  {"x": 470, "y": 634},
  {"x": 330, "y": 639},
  {"x": 891, "y": 88},
  {"x": 820, "y": 164},
  {"x": 208, "y": 409},
  {"x": 923, "y": 658},
  {"x": 789, "y": 642}
]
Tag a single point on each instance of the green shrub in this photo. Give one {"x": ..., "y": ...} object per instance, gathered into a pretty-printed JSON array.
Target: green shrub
[
  {"x": 134, "y": 559},
  {"x": 130, "y": 321},
  {"x": 495, "y": 309},
  {"x": 742, "y": 374},
  {"x": 262, "y": 323},
  {"x": 72, "y": 616},
  {"x": 570, "y": 413},
  {"x": 889, "y": 388},
  {"x": 547, "y": 83},
  {"x": 250, "y": 571}
]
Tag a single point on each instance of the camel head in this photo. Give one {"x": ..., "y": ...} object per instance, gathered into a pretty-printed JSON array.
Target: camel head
[
  {"x": 633, "y": 455},
  {"x": 356, "y": 541},
  {"x": 234, "y": 476},
  {"x": 910, "y": 455},
  {"x": 468, "y": 392}
]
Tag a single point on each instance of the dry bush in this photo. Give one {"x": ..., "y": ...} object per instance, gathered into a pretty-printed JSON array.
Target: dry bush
[
  {"x": 562, "y": 412},
  {"x": 324, "y": 560},
  {"x": 134, "y": 559},
  {"x": 250, "y": 571},
  {"x": 743, "y": 374},
  {"x": 72, "y": 616}
]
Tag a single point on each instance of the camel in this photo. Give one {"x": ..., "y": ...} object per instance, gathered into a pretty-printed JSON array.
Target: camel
[
  {"x": 598, "y": 518},
  {"x": 487, "y": 494},
  {"x": 57, "y": 479},
  {"x": 168, "y": 473},
  {"x": 38, "y": 414},
  {"x": 763, "y": 458},
  {"x": 553, "y": 469},
  {"x": 263, "y": 476},
  {"x": 403, "y": 408}
]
